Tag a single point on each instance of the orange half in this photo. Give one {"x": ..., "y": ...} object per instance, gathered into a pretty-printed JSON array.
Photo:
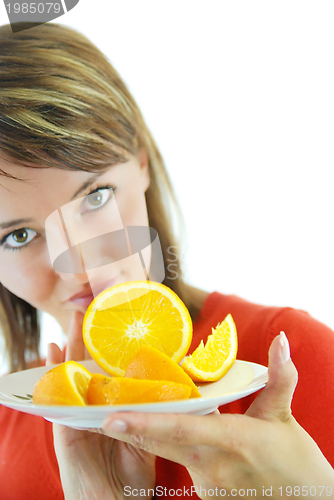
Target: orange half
[{"x": 127, "y": 316}]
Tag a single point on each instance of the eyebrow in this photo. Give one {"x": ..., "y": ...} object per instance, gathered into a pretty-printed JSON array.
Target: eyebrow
[
  {"x": 86, "y": 184},
  {"x": 16, "y": 222}
]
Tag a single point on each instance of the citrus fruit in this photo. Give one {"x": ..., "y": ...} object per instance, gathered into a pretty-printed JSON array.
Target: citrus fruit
[
  {"x": 66, "y": 384},
  {"x": 120, "y": 390},
  {"x": 151, "y": 364},
  {"x": 129, "y": 315},
  {"x": 95, "y": 389},
  {"x": 212, "y": 362}
]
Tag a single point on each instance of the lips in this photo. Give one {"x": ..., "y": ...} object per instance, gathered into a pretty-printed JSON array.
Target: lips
[
  {"x": 84, "y": 301},
  {"x": 86, "y": 295}
]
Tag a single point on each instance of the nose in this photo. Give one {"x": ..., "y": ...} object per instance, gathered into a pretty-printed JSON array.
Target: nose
[
  {"x": 74, "y": 277},
  {"x": 72, "y": 264}
]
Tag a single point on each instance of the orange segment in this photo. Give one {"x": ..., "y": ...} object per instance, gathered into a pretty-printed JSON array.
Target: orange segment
[
  {"x": 120, "y": 390},
  {"x": 151, "y": 364},
  {"x": 212, "y": 362},
  {"x": 95, "y": 395},
  {"x": 127, "y": 316},
  {"x": 66, "y": 384}
]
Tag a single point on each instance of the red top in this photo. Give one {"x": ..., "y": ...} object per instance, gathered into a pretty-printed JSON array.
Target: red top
[{"x": 28, "y": 465}]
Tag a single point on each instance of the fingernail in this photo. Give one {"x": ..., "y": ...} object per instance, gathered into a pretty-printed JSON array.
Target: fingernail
[
  {"x": 117, "y": 426},
  {"x": 285, "y": 348}
]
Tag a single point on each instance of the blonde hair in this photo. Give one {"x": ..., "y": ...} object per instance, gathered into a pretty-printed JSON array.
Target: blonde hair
[{"x": 63, "y": 105}]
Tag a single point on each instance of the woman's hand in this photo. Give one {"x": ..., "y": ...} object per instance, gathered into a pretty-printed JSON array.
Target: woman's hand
[
  {"x": 93, "y": 466},
  {"x": 265, "y": 448}
]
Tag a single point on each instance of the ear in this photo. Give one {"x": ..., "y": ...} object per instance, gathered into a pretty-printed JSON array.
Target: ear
[{"x": 144, "y": 168}]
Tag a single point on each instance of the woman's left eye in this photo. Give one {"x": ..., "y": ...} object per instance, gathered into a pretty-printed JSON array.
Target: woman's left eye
[{"x": 97, "y": 199}]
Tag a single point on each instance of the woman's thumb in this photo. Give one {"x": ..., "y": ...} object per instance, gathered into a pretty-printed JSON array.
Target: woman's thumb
[{"x": 274, "y": 402}]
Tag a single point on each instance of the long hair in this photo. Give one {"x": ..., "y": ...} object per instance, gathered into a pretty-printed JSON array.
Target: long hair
[{"x": 63, "y": 105}]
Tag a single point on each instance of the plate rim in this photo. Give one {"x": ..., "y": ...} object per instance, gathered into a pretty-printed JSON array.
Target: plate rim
[{"x": 259, "y": 380}]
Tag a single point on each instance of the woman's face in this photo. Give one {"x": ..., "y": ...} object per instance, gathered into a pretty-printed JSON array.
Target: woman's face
[{"x": 52, "y": 210}]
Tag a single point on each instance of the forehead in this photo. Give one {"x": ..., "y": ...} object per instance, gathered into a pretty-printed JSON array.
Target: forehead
[{"x": 37, "y": 191}]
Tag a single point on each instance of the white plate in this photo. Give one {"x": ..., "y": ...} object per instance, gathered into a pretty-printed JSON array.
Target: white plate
[{"x": 242, "y": 379}]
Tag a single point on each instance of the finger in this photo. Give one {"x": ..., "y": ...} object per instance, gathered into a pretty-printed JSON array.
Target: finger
[
  {"x": 185, "y": 439},
  {"x": 274, "y": 402},
  {"x": 175, "y": 429},
  {"x": 54, "y": 355},
  {"x": 75, "y": 349},
  {"x": 133, "y": 433}
]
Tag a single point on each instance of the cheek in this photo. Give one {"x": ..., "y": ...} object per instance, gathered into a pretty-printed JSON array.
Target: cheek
[
  {"x": 28, "y": 277},
  {"x": 134, "y": 213},
  {"x": 132, "y": 208}
]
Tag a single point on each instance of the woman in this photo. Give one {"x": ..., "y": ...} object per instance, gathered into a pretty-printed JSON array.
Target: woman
[{"x": 72, "y": 136}]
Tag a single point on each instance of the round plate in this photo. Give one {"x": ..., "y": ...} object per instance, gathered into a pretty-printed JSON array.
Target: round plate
[{"x": 242, "y": 379}]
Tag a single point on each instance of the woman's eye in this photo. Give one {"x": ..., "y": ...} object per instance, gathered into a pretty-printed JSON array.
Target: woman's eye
[
  {"x": 97, "y": 199},
  {"x": 20, "y": 237}
]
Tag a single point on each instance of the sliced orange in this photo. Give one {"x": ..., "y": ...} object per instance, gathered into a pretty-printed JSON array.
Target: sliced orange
[
  {"x": 212, "y": 362},
  {"x": 120, "y": 390},
  {"x": 150, "y": 364},
  {"x": 96, "y": 386},
  {"x": 66, "y": 384},
  {"x": 127, "y": 316}
]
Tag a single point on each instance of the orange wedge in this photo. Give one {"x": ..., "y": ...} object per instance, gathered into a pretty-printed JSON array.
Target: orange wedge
[
  {"x": 127, "y": 316},
  {"x": 119, "y": 390},
  {"x": 150, "y": 364},
  {"x": 66, "y": 384},
  {"x": 211, "y": 362},
  {"x": 95, "y": 389}
]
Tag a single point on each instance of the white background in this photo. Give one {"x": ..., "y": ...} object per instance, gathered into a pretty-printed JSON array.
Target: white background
[{"x": 239, "y": 97}]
